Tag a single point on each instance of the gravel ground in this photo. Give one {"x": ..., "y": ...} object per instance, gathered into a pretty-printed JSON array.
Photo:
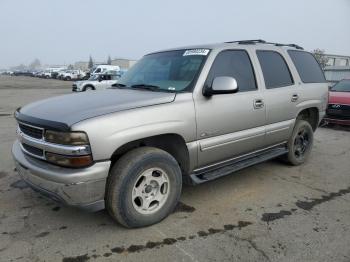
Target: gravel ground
[{"x": 268, "y": 212}]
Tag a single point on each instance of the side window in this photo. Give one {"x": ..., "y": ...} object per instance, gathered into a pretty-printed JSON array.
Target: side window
[
  {"x": 308, "y": 68},
  {"x": 275, "y": 69},
  {"x": 234, "y": 63}
]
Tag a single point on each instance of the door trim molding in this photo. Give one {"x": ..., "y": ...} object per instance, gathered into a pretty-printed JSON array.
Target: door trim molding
[
  {"x": 215, "y": 165},
  {"x": 221, "y": 140}
]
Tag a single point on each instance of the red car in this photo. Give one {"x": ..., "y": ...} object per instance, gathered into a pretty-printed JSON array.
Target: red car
[{"x": 338, "y": 111}]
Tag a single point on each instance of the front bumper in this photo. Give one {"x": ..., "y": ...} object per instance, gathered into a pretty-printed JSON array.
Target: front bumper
[
  {"x": 83, "y": 188},
  {"x": 76, "y": 88},
  {"x": 332, "y": 120}
]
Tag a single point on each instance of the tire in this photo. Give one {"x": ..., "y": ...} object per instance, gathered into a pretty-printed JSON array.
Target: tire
[
  {"x": 128, "y": 176},
  {"x": 68, "y": 78},
  {"x": 89, "y": 88},
  {"x": 300, "y": 143}
]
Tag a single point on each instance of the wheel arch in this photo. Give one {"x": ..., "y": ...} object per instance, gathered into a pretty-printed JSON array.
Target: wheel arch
[
  {"x": 89, "y": 85},
  {"x": 172, "y": 143},
  {"x": 310, "y": 115}
]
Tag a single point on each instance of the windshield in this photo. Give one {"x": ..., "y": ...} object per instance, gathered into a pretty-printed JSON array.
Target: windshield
[
  {"x": 168, "y": 71},
  {"x": 342, "y": 86}
]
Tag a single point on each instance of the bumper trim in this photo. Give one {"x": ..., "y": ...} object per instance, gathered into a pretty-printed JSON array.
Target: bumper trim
[
  {"x": 336, "y": 121},
  {"x": 83, "y": 188},
  {"x": 90, "y": 207}
]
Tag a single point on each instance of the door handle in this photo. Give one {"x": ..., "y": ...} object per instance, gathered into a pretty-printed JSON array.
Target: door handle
[
  {"x": 295, "y": 97},
  {"x": 258, "y": 103}
]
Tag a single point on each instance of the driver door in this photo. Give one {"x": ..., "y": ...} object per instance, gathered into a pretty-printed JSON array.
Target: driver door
[{"x": 230, "y": 125}]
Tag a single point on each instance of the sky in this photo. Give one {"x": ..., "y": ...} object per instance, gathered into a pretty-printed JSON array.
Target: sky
[{"x": 66, "y": 31}]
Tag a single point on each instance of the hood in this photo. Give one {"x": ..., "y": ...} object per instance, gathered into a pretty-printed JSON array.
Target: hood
[
  {"x": 69, "y": 109},
  {"x": 339, "y": 98}
]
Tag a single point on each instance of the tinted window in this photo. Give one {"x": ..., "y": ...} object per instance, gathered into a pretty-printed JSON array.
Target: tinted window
[
  {"x": 234, "y": 63},
  {"x": 275, "y": 70},
  {"x": 307, "y": 66}
]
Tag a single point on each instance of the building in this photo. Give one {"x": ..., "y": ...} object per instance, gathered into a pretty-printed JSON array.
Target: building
[
  {"x": 337, "y": 68},
  {"x": 123, "y": 63},
  {"x": 337, "y": 60},
  {"x": 334, "y": 74},
  {"x": 81, "y": 65}
]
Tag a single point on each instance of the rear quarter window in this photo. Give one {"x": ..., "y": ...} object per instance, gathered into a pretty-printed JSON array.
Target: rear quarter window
[{"x": 307, "y": 66}]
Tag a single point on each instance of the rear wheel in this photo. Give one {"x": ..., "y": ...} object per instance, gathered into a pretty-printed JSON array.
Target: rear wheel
[
  {"x": 143, "y": 187},
  {"x": 300, "y": 143}
]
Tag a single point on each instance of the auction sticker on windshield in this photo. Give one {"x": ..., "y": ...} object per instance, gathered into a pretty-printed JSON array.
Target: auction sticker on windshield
[{"x": 196, "y": 52}]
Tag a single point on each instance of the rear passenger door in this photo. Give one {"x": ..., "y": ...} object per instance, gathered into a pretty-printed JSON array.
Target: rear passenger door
[{"x": 281, "y": 96}]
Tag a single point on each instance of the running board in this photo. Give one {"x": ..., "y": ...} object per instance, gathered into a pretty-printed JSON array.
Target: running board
[{"x": 208, "y": 174}]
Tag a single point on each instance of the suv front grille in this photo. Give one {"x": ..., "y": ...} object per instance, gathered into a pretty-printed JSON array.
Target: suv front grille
[
  {"x": 33, "y": 150},
  {"x": 31, "y": 131}
]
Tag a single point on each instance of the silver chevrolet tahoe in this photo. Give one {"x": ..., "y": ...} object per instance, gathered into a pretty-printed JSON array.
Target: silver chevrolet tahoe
[{"x": 189, "y": 114}]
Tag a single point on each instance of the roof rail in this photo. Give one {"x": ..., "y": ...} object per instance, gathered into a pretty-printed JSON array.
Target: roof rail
[
  {"x": 260, "y": 41},
  {"x": 245, "y": 42},
  {"x": 291, "y": 45}
]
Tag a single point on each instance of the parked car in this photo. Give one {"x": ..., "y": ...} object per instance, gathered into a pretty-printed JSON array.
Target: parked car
[
  {"x": 56, "y": 74},
  {"x": 338, "y": 111},
  {"x": 101, "y": 69},
  {"x": 52, "y": 72},
  {"x": 59, "y": 74},
  {"x": 180, "y": 115},
  {"x": 9, "y": 72},
  {"x": 22, "y": 73},
  {"x": 96, "y": 82},
  {"x": 72, "y": 75}
]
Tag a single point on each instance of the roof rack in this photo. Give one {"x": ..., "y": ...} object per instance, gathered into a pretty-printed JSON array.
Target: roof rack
[{"x": 260, "y": 41}]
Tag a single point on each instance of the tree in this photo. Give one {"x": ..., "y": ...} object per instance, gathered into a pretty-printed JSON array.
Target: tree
[
  {"x": 20, "y": 67},
  {"x": 320, "y": 57},
  {"x": 91, "y": 63},
  {"x": 35, "y": 64},
  {"x": 109, "y": 60}
]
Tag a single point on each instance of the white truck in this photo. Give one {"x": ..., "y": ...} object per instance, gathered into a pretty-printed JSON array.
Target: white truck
[
  {"x": 47, "y": 73},
  {"x": 72, "y": 75},
  {"x": 96, "y": 82},
  {"x": 100, "y": 69}
]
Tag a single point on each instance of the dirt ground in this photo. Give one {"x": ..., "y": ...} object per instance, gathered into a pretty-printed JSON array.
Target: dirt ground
[{"x": 268, "y": 212}]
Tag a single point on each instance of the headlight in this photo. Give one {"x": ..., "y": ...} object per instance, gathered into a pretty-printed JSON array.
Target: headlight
[
  {"x": 69, "y": 161},
  {"x": 66, "y": 138}
]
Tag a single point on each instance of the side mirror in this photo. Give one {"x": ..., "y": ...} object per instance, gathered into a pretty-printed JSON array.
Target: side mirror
[{"x": 222, "y": 85}]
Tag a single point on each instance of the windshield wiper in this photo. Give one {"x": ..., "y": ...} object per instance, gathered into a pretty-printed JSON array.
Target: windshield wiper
[{"x": 146, "y": 86}]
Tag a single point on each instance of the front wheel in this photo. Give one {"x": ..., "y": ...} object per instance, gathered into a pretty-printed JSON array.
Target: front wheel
[
  {"x": 300, "y": 143},
  {"x": 143, "y": 187},
  {"x": 88, "y": 88}
]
